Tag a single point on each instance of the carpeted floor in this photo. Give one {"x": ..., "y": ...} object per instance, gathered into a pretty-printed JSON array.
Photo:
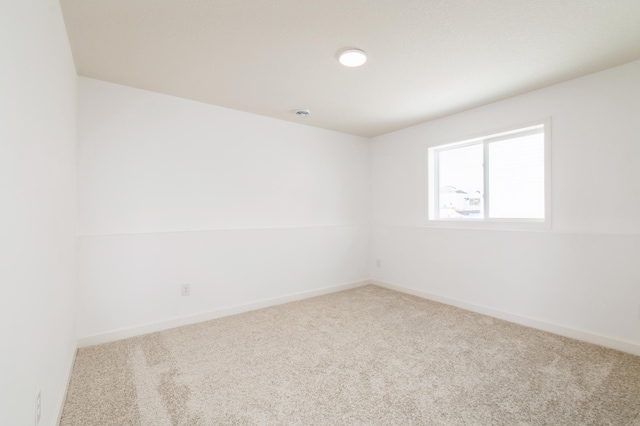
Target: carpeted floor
[{"x": 366, "y": 356}]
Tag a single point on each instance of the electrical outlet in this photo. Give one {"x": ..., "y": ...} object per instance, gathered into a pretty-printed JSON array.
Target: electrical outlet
[
  {"x": 185, "y": 289},
  {"x": 38, "y": 407}
]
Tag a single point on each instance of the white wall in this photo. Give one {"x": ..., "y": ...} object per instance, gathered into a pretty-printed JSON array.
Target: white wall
[
  {"x": 37, "y": 210},
  {"x": 582, "y": 275},
  {"x": 242, "y": 207}
]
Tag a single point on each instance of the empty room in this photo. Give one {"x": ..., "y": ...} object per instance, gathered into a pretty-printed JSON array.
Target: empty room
[{"x": 410, "y": 212}]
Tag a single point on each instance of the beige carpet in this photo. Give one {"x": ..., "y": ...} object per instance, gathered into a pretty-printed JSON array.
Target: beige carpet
[{"x": 360, "y": 357}]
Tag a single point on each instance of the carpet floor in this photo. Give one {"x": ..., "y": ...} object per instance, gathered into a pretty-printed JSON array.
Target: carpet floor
[{"x": 367, "y": 356}]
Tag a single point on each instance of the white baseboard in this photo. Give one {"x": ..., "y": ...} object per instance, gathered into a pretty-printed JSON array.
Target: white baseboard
[
  {"x": 63, "y": 395},
  {"x": 609, "y": 342},
  {"x": 206, "y": 316}
]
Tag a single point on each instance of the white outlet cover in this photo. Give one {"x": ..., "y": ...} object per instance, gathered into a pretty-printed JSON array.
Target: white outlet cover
[
  {"x": 38, "y": 407},
  {"x": 185, "y": 289}
]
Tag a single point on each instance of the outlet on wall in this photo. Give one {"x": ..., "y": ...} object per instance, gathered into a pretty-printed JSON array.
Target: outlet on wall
[
  {"x": 185, "y": 289},
  {"x": 38, "y": 406}
]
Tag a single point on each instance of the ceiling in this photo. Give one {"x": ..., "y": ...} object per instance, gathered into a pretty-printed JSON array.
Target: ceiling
[{"x": 427, "y": 58}]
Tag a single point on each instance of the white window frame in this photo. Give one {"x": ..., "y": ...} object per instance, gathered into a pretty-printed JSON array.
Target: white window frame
[{"x": 489, "y": 223}]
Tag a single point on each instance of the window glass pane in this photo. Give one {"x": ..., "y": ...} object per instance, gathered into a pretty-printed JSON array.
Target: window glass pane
[
  {"x": 460, "y": 181},
  {"x": 516, "y": 177}
]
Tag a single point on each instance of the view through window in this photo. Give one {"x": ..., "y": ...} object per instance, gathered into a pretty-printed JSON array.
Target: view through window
[{"x": 497, "y": 177}]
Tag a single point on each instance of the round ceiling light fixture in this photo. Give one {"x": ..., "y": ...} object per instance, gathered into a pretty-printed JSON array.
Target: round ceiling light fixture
[{"x": 352, "y": 57}]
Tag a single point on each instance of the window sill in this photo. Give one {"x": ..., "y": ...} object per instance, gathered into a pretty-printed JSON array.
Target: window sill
[{"x": 496, "y": 224}]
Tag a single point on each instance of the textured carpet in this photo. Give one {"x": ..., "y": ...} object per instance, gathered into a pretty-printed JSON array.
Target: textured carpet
[{"x": 364, "y": 356}]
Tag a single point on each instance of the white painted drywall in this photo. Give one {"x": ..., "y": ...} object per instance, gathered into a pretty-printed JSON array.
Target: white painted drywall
[
  {"x": 37, "y": 210},
  {"x": 242, "y": 207},
  {"x": 133, "y": 280},
  {"x": 155, "y": 163},
  {"x": 583, "y": 273}
]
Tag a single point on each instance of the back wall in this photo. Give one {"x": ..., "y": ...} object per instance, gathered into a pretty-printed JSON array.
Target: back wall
[{"x": 243, "y": 208}]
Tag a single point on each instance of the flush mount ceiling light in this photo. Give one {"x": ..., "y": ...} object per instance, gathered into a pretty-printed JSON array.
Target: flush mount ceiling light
[{"x": 352, "y": 57}]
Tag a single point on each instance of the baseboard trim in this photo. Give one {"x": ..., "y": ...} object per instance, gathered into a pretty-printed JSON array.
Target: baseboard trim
[
  {"x": 124, "y": 333},
  {"x": 609, "y": 342},
  {"x": 63, "y": 395}
]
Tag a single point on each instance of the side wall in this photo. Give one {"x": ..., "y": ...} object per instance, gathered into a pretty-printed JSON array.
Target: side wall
[
  {"x": 37, "y": 210},
  {"x": 582, "y": 276},
  {"x": 243, "y": 208}
]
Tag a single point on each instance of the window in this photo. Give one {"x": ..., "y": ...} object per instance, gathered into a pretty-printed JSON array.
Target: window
[{"x": 497, "y": 179}]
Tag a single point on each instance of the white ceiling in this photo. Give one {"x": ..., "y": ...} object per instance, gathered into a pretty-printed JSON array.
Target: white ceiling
[{"x": 427, "y": 58}]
